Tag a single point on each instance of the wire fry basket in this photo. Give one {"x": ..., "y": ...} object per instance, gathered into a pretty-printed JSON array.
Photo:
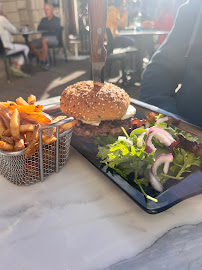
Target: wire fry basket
[{"x": 49, "y": 158}]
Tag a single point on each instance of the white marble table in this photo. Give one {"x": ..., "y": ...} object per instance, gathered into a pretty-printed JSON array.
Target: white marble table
[{"x": 79, "y": 220}]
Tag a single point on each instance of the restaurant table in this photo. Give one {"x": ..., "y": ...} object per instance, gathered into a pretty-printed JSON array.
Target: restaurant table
[
  {"x": 26, "y": 34},
  {"x": 133, "y": 32},
  {"x": 139, "y": 37},
  {"x": 79, "y": 220}
]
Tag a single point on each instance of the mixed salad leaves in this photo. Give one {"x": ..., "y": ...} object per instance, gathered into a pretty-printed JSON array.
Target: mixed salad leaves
[{"x": 152, "y": 153}]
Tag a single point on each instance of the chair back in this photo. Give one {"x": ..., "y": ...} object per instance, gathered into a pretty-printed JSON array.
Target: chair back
[
  {"x": 59, "y": 36},
  {"x": 2, "y": 49},
  {"x": 110, "y": 39}
]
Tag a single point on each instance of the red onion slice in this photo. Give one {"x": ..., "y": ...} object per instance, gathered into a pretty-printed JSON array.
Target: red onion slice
[
  {"x": 160, "y": 130},
  {"x": 153, "y": 178},
  {"x": 163, "y": 119},
  {"x": 149, "y": 147},
  {"x": 162, "y": 135},
  {"x": 154, "y": 181},
  {"x": 163, "y": 158}
]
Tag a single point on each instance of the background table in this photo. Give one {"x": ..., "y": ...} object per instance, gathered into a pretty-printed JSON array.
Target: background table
[
  {"x": 132, "y": 32},
  {"x": 140, "y": 39},
  {"x": 26, "y": 34},
  {"x": 79, "y": 220}
]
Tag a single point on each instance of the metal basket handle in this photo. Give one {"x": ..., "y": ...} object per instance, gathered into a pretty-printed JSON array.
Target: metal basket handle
[{"x": 57, "y": 126}]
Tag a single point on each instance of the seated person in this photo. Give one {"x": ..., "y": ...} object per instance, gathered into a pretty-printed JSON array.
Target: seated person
[
  {"x": 178, "y": 62},
  {"x": 117, "y": 17},
  {"x": 51, "y": 37},
  {"x": 6, "y": 29}
]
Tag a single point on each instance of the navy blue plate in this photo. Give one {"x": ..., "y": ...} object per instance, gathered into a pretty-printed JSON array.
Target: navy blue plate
[
  {"x": 190, "y": 186},
  {"x": 175, "y": 191}
]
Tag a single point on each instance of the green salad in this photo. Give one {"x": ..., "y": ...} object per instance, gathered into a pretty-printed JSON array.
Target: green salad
[{"x": 152, "y": 153}]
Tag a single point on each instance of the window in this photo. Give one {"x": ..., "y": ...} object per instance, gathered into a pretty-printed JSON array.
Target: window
[{"x": 55, "y": 3}]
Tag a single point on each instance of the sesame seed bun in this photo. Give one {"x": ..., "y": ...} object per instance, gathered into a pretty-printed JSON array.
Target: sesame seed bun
[{"x": 85, "y": 102}]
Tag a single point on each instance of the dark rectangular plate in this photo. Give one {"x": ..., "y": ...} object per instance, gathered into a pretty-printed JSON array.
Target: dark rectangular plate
[
  {"x": 174, "y": 193},
  {"x": 190, "y": 186}
]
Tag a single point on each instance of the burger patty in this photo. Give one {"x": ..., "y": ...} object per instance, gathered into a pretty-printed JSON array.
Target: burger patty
[{"x": 104, "y": 129}]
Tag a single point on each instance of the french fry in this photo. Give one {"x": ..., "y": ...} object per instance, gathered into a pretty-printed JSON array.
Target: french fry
[
  {"x": 58, "y": 118},
  {"x": 25, "y": 108},
  {"x": 15, "y": 124},
  {"x": 31, "y": 100},
  {"x": 6, "y": 146},
  {"x": 23, "y": 135},
  {"x": 22, "y": 108},
  {"x": 7, "y": 103},
  {"x": 69, "y": 125},
  {"x": 48, "y": 140},
  {"x": 28, "y": 137},
  {"x": 19, "y": 145},
  {"x": 5, "y": 115},
  {"x": 38, "y": 108},
  {"x": 26, "y": 127},
  {"x": 32, "y": 147},
  {"x": 2, "y": 127},
  {"x": 65, "y": 126},
  {"x": 9, "y": 140},
  {"x": 49, "y": 132},
  {"x": 21, "y": 101},
  {"x": 5, "y": 121},
  {"x": 36, "y": 118},
  {"x": 7, "y": 133}
]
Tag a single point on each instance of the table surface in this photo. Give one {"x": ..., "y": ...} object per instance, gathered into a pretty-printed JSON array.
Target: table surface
[
  {"x": 132, "y": 32},
  {"x": 79, "y": 220},
  {"x": 30, "y": 32}
]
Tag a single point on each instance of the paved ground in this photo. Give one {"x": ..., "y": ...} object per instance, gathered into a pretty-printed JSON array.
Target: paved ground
[{"x": 45, "y": 84}]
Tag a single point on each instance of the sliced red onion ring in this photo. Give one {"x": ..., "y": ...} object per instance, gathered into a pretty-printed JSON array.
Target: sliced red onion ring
[
  {"x": 163, "y": 119},
  {"x": 162, "y": 135},
  {"x": 154, "y": 181},
  {"x": 162, "y": 131},
  {"x": 163, "y": 158},
  {"x": 149, "y": 147},
  {"x": 153, "y": 178}
]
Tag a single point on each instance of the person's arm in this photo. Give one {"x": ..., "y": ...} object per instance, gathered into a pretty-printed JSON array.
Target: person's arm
[
  {"x": 123, "y": 19},
  {"x": 112, "y": 17},
  {"x": 41, "y": 25},
  {"x": 9, "y": 26},
  {"x": 158, "y": 87},
  {"x": 57, "y": 26},
  {"x": 165, "y": 71}
]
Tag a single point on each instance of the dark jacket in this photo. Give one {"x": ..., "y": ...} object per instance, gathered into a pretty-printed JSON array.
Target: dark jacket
[{"x": 178, "y": 61}]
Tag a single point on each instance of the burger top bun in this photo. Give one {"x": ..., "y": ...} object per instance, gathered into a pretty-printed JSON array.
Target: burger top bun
[{"x": 85, "y": 102}]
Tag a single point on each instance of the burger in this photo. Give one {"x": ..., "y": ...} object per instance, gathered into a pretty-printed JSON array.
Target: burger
[{"x": 100, "y": 109}]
